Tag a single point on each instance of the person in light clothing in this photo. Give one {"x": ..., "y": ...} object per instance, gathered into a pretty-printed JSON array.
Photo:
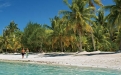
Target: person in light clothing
[{"x": 27, "y": 53}]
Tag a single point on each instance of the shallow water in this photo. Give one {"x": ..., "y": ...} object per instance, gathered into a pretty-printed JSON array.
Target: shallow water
[{"x": 14, "y": 68}]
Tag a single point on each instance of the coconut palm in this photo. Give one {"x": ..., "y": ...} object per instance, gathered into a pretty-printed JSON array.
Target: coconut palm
[
  {"x": 91, "y": 4},
  {"x": 6, "y": 39},
  {"x": 15, "y": 42},
  {"x": 11, "y": 29},
  {"x": 114, "y": 17},
  {"x": 79, "y": 18},
  {"x": 58, "y": 35}
]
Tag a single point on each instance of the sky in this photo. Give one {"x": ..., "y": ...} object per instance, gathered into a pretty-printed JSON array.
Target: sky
[{"x": 36, "y": 11}]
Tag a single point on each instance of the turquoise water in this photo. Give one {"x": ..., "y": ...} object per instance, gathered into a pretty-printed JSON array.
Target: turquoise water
[{"x": 14, "y": 68}]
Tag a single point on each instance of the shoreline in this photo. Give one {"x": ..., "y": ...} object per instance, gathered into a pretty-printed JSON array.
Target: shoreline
[{"x": 84, "y": 59}]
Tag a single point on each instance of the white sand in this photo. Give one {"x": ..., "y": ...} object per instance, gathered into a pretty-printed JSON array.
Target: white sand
[{"x": 85, "y": 59}]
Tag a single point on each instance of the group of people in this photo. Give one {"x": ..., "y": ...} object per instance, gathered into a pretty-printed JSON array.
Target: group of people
[{"x": 23, "y": 52}]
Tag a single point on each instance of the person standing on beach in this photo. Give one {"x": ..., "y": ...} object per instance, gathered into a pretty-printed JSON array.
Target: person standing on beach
[
  {"x": 27, "y": 52},
  {"x": 22, "y": 52}
]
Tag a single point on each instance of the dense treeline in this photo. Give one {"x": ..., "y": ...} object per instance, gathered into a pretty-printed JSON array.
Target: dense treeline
[{"x": 81, "y": 28}]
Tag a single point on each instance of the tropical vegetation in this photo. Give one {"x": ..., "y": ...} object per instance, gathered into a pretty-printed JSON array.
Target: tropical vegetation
[{"x": 82, "y": 28}]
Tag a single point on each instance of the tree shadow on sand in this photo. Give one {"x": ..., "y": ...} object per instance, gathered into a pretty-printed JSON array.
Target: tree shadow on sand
[
  {"x": 56, "y": 54},
  {"x": 76, "y": 54},
  {"x": 99, "y": 53}
]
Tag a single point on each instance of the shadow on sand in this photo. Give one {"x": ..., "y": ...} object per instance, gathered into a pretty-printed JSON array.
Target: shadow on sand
[
  {"x": 77, "y": 54},
  {"x": 56, "y": 54},
  {"x": 103, "y": 53}
]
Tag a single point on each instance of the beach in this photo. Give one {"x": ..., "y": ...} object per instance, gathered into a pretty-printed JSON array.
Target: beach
[{"x": 97, "y": 59}]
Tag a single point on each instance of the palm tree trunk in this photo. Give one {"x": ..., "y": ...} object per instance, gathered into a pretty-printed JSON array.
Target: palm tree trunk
[
  {"x": 61, "y": 45},
  {"x": 96, "y": 45},
  {"x": 6, "y": 49},
  {"x": 120, "y": 39},
  {"x": 120, "y": 45},
  {"x": 93, "y": 42},
  {"x": 41, "y": 47},
  {"x": 6, "y": 46},
  {"x": 80, "y": 42}
]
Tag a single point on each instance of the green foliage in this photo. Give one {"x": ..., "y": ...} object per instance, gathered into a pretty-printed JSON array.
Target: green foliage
[
  {"x": 74, "y": 30},
  {"x": 11, "y": 39},
  {"x": 33, "y": 36}
]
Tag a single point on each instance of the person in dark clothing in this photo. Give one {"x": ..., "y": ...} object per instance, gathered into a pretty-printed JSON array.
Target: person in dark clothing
[{"x": 22, "y": 52}]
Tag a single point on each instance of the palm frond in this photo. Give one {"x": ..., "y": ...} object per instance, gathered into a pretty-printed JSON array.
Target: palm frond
[
  {"x": 98, "y": 2},
  {"x": 66, "y": 2},
  {"x": 64, "y": 12},
  {"x": 107, "y": 7}
]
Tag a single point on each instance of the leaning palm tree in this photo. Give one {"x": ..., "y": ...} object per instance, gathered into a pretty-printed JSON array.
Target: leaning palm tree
[
  {"x": 79, "y": 18},
  {"x": 91, "y": 4},
  {"x": 98, "y": 26}
]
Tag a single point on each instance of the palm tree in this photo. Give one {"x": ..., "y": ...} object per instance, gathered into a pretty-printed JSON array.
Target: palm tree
[
  {"x": 91, "y": 4},
  {"x": 15, "y": 42},
  {"x": 114, "y": 17},
  {"x": 58, "y": 35},
  {"x": 11, "y": 29},
  {"x": 6, "y": 39},
  {"x": 78, "y": 17}
]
